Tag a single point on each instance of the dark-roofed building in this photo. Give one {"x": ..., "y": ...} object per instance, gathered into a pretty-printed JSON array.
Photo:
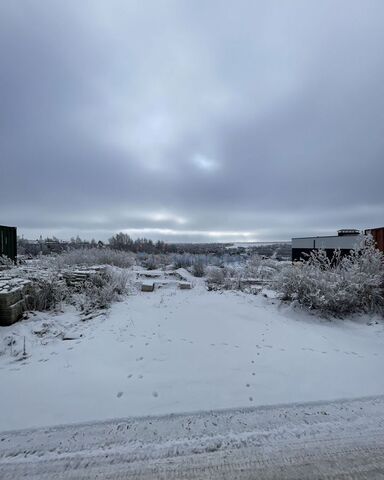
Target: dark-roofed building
[{"x": 345, "y": 241}]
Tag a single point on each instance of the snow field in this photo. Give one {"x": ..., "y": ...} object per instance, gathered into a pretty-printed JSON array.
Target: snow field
[{"x": 174, "y": 351}]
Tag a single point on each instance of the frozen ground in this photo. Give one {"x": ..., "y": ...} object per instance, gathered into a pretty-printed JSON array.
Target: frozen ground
[
  {"x": 176, "y": 351},
  {"x": 331, "y": 440}
]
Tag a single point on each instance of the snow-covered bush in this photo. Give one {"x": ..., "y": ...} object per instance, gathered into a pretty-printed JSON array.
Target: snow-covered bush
[
  {"x": 198, "y": 269},
  {"x": 47, "y": 293},
  {"x": 100, "y": 291},
  {"x": 153, "y": 262},
  {"x": 49, "y": 290},
  {"x": 215, "y": 275},
  {"x": 92, "y": 256},
  {"x": 6, "y": 261},
  {"x": 262, "y": 268},
  {"x": 183, "y": 260},
  {"x": 337, "y": 286},
  {"x": 223, "y": 278}
]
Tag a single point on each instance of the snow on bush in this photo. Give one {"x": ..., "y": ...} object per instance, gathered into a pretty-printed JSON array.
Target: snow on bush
[
  {"x": 240, "y": 276},
  {"x": 6, "y": 261},
  {"x": 226, "y": 278},
  {"x": 92, "y": 256},
  {"x": 47, "y": 293},
  {"x": 262, "y": 268},
  {"x": 100, "y": 291},
  {"x": 183, "y": 260},
  {"x": 198, "y": 268},
  {"x": 215, "y": 275},
  {"x": 337, "y": 286},
  {"x": 153, "y": 261},
  {"x": 49, "y": 290}
]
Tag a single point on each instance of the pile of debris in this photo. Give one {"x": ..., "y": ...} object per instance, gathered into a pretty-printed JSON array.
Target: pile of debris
[
  {"x": 13, "y": 296},
  {"x": 75, "y": 278},
  {"x": 150, "y": 280}
]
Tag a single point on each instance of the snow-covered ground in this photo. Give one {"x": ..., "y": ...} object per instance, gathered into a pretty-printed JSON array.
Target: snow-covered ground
[
  {"x": 331, "y": 440},
  {"x": 173, "y": 351}
]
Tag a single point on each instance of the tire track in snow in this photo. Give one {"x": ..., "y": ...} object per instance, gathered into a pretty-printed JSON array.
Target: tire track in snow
[{"x": 341, "y": 439}]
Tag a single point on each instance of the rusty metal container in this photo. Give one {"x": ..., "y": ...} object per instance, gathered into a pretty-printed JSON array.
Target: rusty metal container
[{"x": 378, "y": 235}]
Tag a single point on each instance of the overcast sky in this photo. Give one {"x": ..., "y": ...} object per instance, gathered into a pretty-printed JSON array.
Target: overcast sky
[{"x": 197, "y": 120}]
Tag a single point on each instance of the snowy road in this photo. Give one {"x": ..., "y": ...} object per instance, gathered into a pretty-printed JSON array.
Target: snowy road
[{"x": 343, "y": 439}]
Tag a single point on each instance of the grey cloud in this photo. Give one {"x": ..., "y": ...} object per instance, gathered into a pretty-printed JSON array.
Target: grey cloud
[{"x": 105, "y": 107}]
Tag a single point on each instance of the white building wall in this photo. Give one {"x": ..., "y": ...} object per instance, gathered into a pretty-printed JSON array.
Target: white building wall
[
  {"x": 303, "y": 242},
  {"x": 347, "y": 242}
]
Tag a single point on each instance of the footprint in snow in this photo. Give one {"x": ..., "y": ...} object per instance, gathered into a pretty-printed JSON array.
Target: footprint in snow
[
  {"x": 119, "y": 394},
  {"x": 155, "y": 394},
  {"x": 139, "y": 359}
]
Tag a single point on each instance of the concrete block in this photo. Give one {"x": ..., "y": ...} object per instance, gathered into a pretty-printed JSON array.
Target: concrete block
[
  {"x": 147, "y": 286},
  {"x": 12, "y": 314}
]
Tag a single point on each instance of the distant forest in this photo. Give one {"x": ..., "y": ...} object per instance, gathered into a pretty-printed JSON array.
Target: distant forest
[{"x": 123, "y": 242}]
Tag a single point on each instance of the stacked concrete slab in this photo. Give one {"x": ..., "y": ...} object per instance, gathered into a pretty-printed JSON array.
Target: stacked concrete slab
[
  {"x": 79, "y": 276},
  {"x": 12, "y": 300}
]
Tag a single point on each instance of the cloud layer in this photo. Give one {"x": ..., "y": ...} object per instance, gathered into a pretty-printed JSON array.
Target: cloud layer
[{"x": 200, "y": 121}]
